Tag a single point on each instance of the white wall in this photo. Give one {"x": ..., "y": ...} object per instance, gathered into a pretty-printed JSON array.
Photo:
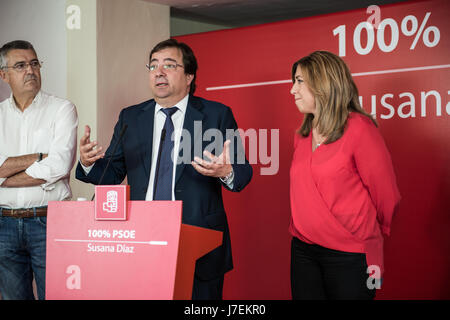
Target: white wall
[{"x": 43, "y": 23}]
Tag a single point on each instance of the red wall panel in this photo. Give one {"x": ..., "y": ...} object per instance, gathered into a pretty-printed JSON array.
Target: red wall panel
[{"x": 416, "y": 130}]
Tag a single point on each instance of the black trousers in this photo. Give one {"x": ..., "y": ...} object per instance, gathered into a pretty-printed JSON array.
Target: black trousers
[
  {"x": 319, "y": 273},
  {"x": 207, "y": 289}
]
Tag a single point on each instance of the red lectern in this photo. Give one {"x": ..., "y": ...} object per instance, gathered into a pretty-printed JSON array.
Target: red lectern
[{"x": 149, "y": 254}]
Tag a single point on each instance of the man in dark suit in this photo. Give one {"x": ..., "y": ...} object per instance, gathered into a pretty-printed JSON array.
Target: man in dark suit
[{"x": 154, "y": 135}]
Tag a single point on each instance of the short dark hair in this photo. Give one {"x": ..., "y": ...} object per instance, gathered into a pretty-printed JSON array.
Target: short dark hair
[
  {"x": 189, "y": 60},
  {"x": 13, "y": 45}
]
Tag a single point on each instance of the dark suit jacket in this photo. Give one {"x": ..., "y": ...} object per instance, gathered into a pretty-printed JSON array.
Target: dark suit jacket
[{"x": 201, "y": 195}]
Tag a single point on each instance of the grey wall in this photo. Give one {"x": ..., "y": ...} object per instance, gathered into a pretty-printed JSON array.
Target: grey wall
[
  {"x": 180, "y": 26},
  {"x": 43, "y": 23}
]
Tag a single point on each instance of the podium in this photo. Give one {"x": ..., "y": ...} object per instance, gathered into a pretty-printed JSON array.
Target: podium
[{"x": 147, "y": 253}]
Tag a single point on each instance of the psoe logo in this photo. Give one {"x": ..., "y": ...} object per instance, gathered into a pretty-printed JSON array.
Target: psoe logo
[{"x": 111, "y": 202}]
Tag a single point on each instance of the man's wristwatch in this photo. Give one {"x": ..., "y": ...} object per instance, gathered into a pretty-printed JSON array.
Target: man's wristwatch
[
  {"x": 228, "y": 178},
  {"x": 40, "y": 156}
]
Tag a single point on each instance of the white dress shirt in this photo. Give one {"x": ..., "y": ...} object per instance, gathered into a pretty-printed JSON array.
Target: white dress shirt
[
  {"x": 158, "y": 124},
  {"x": 159, "y": 120},
  {"x": 49, "y": 126}
]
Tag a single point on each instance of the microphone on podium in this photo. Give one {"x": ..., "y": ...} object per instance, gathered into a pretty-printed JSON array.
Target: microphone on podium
[{"x": 122, "y": 132}]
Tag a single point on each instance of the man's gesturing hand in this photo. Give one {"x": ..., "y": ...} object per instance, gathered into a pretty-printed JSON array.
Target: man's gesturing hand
[
  {"x": 219, "y": 167},
  {"x": 88, "y": 151}
]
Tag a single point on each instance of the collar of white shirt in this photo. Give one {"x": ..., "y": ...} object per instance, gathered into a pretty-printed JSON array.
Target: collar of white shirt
[
  {"x": 181, "y": 105},
  {"x": 36, "y": 100}
]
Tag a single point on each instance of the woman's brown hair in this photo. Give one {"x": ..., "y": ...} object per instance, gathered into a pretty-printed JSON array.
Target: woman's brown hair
[{"x": 336, "y": 95}]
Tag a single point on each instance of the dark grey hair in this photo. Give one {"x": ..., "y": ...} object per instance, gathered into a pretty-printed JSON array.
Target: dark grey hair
[{"x": 13, "y": 45}]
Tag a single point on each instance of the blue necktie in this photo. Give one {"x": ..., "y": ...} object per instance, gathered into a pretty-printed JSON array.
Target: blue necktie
[{"x": 164, "y": 168}]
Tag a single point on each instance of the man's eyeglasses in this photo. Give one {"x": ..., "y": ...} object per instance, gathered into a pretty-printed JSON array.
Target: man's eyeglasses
[
  {"x": 166, "y": 66},
  {"x": 22, "y": 66}
]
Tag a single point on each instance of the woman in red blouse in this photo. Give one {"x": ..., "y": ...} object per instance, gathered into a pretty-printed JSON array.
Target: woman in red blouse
[{"x": 342, "y": 186}]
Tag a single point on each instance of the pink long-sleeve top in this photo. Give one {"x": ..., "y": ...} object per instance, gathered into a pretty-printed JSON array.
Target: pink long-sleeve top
[{"x": 344, "y": 194}]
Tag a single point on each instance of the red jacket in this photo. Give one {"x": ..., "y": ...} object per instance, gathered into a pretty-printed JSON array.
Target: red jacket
[{"x": 344, "y": 194}]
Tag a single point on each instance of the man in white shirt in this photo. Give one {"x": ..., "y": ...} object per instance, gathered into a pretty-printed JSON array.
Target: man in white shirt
[{"x": 38, "y": 135}]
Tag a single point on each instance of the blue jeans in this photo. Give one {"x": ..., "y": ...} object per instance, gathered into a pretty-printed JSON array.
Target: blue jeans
[{"x": 22, "y": 254}]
